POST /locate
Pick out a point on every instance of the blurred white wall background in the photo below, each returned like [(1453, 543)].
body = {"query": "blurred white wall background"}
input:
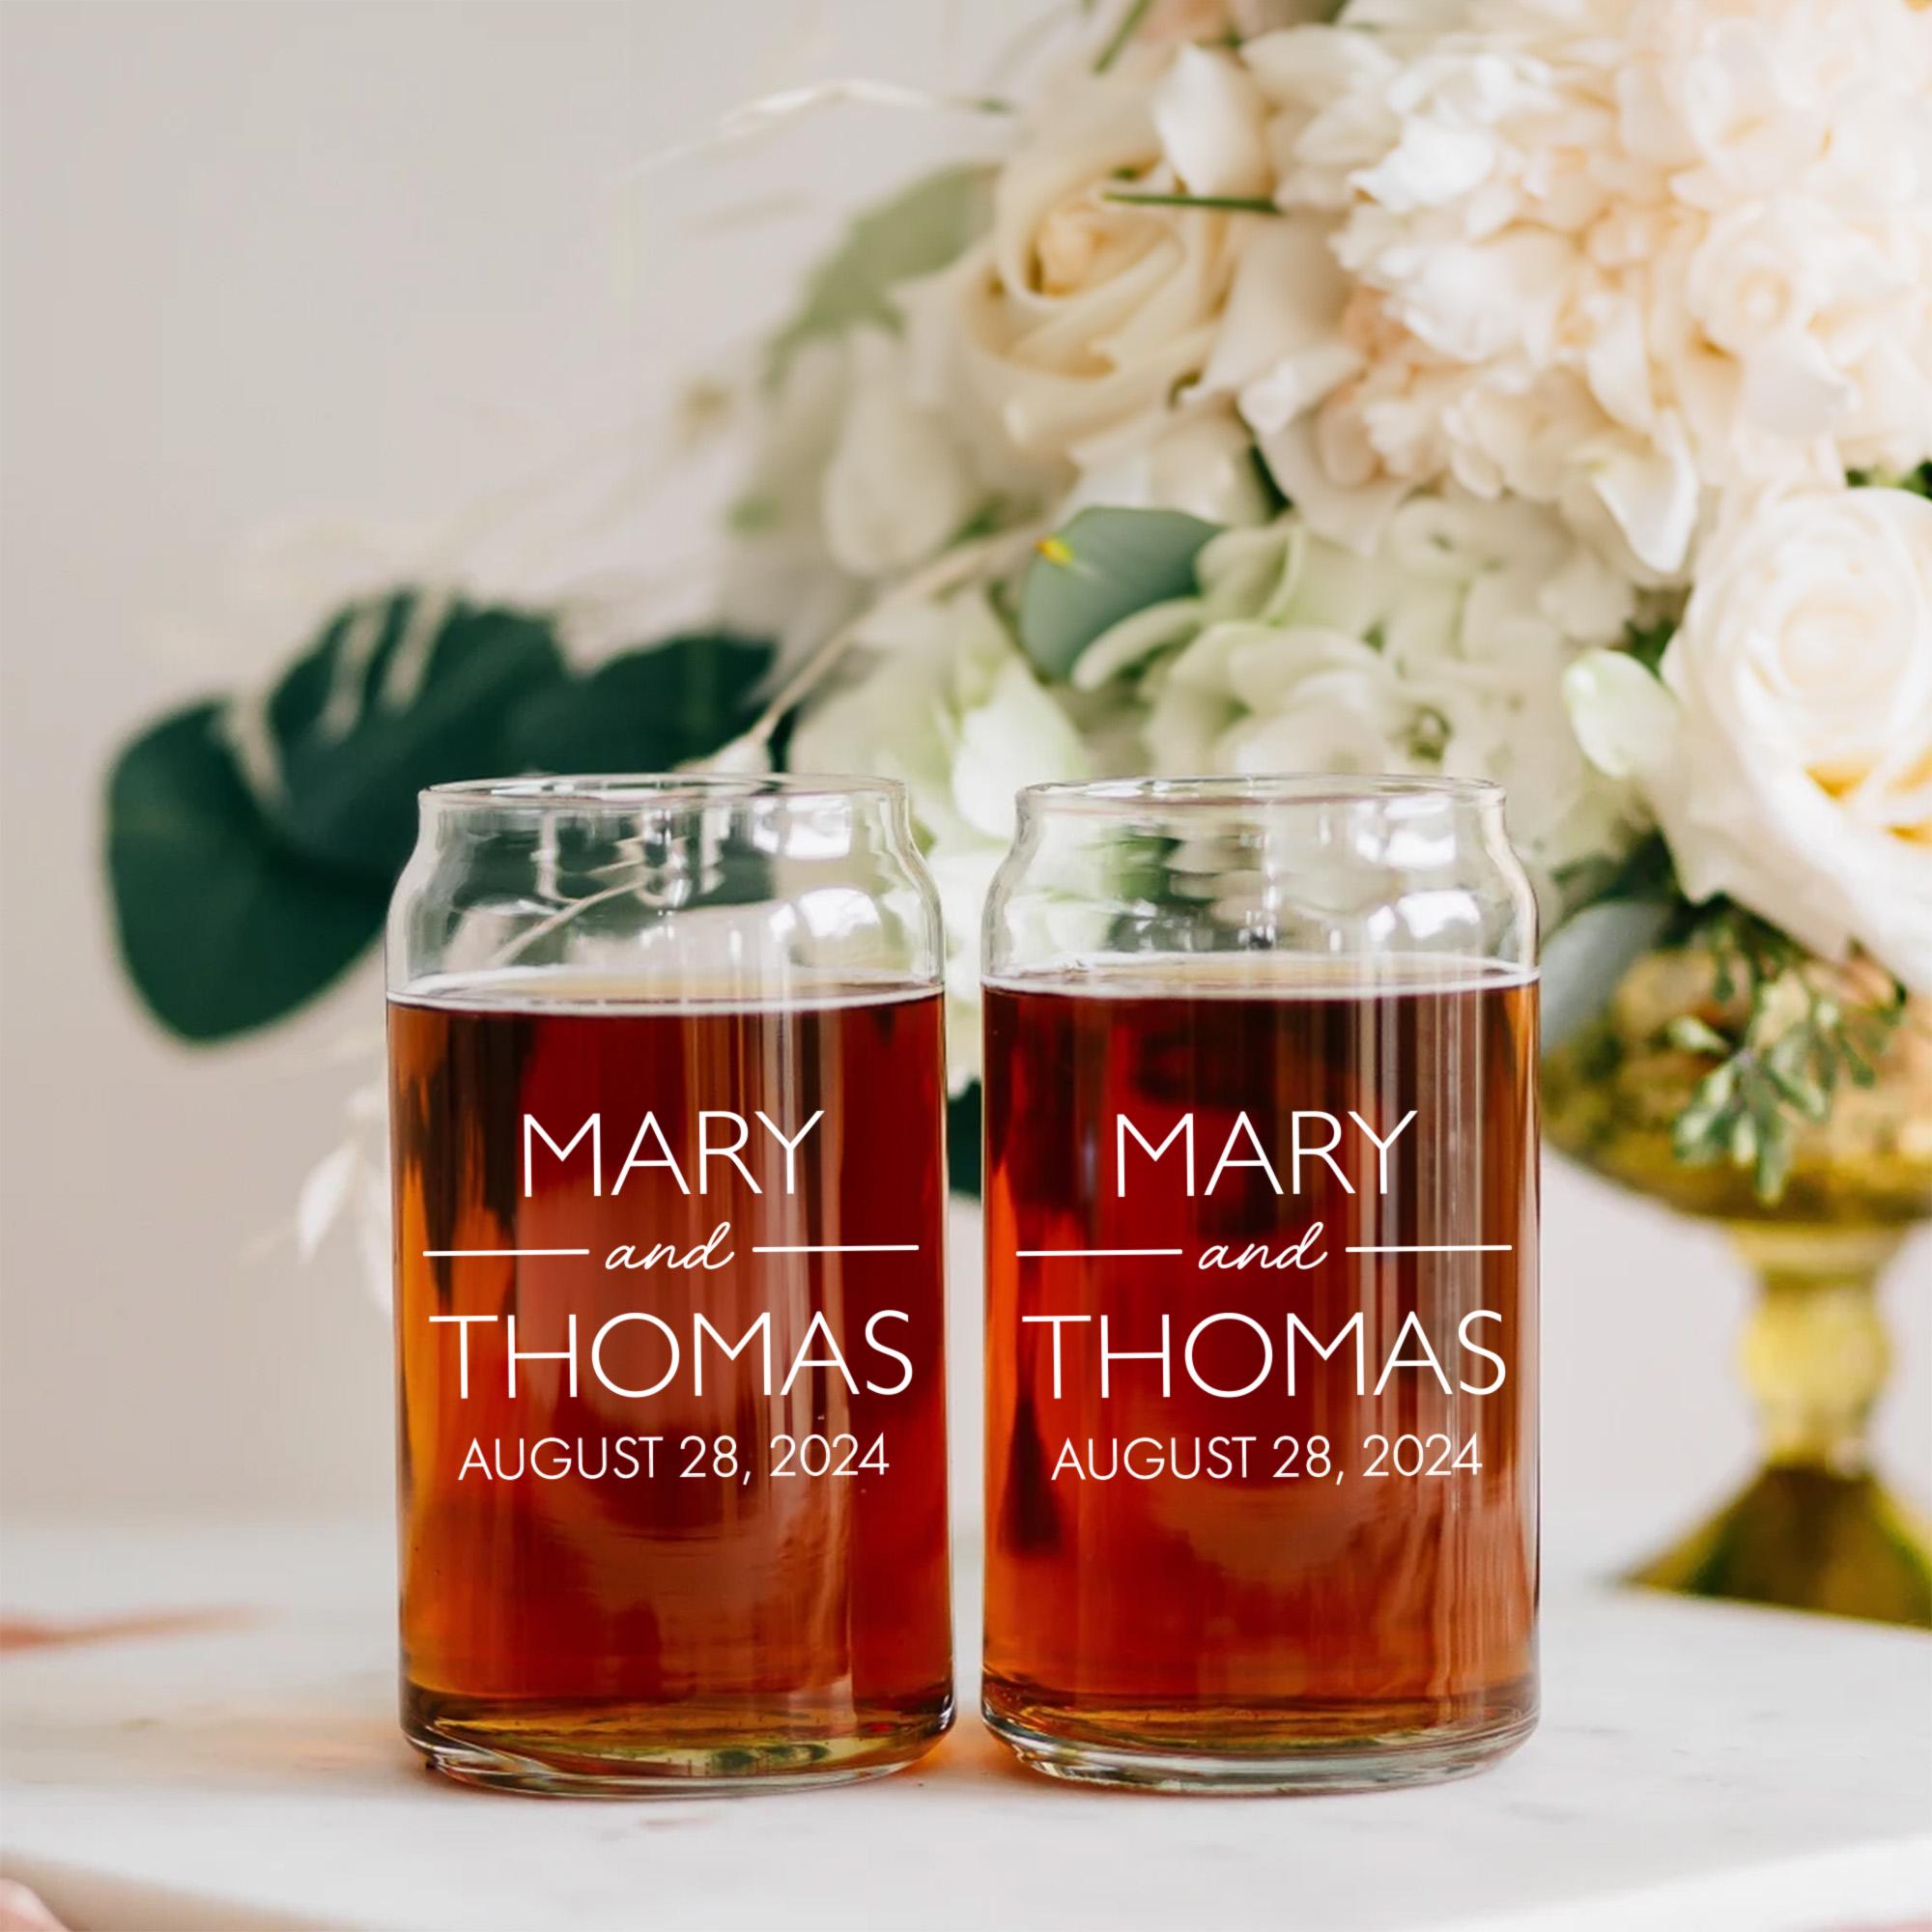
[(377, 261)]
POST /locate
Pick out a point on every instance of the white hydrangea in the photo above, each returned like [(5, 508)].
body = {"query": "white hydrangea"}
[(950, 707), (1626, 257), (1443, 651)]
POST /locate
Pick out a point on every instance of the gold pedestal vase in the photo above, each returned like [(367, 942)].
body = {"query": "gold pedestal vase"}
[(1816, 1528)]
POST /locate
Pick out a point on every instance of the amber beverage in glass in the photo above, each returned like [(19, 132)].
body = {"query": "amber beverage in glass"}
[(1261, 1267), (669, 1198)]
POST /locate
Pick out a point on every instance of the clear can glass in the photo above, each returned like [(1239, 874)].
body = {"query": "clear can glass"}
[(1261, 1169), (667, 1110)]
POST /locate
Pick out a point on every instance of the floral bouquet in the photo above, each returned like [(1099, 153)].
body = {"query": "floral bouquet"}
[(1534, 390)]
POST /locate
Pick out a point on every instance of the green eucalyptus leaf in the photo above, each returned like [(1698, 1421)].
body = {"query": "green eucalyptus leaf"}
[(404, 692), (1690, 1138), (1858, 1069), (917, 232), (222, 926), (1691, 1035), (1770, 1163), (1805, 1095), (1105, 565), (647, 710)]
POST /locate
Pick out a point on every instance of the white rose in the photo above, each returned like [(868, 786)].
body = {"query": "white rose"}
[(1787, 752), (1071, 327)]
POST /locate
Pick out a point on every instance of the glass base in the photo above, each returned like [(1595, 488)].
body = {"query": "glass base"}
[(1807, 1539), (1253, 1758), (640, 1751)]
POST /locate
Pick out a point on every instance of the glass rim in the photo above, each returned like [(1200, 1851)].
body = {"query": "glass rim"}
[(1227, 792), (634, 791)]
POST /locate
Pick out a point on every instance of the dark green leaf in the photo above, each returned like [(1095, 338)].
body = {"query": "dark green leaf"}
[(1228, 204), (917, 232), (394, 696), (1647, 643), (222, 927), (236, 902), (1919, 480), (963, 1151), (1105, 565), (645, 711)]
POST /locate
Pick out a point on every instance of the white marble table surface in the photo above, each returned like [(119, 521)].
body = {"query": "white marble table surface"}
[(1698, 1767)]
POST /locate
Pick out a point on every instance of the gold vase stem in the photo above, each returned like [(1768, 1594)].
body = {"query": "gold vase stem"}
[(1814, 1352), (1814, 1529)]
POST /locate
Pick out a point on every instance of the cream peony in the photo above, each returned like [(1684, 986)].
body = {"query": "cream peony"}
[(951, 708), (1787, 750), (1441, 652), (1067, 332), (1631, 258)]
